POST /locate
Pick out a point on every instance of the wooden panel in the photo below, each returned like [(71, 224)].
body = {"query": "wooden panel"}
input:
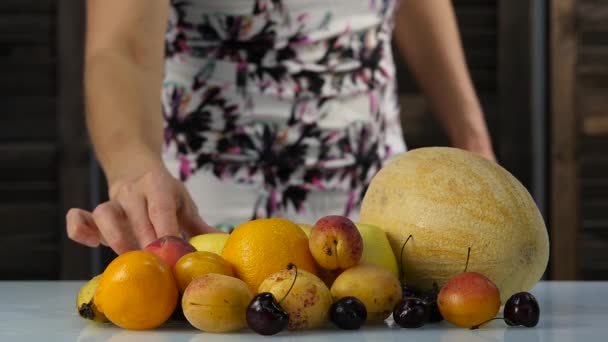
[(31, 263), (28, 118), (28, 161), (28, 150), (26, 191), (592, 263), (74, 181), (514, 86), (592, 15), (27, 242), (19, 54), (479, 39), (30, 6), (595, 125), (25, 28), (476, 16), (593, 176), (33, 80), (592, 108), (26, 218), (564, 185)]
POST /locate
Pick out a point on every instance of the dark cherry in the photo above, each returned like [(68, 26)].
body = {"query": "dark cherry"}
[(430, 297), (407, 291), (265, 316), (348, 313), (411, 313), (522, 309)]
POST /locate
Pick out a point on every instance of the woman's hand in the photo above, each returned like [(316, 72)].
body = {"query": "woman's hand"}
[(123, 73), (477, 143), (140, 210)]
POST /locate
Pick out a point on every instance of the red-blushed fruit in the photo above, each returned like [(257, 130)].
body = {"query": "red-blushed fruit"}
[(335, 242), (170, 249), (468, 300)]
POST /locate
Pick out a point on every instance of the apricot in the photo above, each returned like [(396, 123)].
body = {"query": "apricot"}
[(216, 303), (196, 264)]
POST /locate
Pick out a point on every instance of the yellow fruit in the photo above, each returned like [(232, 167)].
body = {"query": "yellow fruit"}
[(259, 248), (307, 303), (306, 228), (449, 200), (137, 291), (85, 305), (216, 303), (376, 248), (212, 242), (375, 286), (196, 264)]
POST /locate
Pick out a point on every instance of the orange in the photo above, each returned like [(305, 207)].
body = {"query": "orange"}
[(197, 264), (137, 291), (259, 248)]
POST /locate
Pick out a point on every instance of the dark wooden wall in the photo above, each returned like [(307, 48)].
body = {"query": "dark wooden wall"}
[(29, 193), (44, 156), (496, 36), (45, 163), (580, 138)]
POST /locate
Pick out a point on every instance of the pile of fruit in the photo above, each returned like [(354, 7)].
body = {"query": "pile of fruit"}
[(447, 235), (299, 279)]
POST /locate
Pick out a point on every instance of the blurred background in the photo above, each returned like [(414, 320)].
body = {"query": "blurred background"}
[(539, 66)]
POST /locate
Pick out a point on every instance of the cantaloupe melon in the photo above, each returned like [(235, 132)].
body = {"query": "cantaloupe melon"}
[(449, 200)]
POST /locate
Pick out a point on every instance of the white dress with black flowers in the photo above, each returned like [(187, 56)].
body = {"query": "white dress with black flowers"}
[(279, 108)]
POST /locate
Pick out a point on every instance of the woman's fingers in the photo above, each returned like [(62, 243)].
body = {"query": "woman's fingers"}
[(140, 211), (162, 210), (82, 228), (114, 227), (135, 207)]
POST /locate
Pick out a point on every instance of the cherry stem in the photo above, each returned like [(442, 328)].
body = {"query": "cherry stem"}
[(480, 324), (290, 266), (401, 256), (468, 256)]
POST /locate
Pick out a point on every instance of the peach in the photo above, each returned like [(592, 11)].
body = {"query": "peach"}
[(170, 249), (468, 300), (335, 242), (199, 263)]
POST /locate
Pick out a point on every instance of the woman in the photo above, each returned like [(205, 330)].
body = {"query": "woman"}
[(267, 108)]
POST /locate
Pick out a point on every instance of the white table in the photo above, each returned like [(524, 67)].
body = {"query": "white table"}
[(44, 311)]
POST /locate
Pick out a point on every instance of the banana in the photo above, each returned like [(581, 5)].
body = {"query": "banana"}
[(84, 301)]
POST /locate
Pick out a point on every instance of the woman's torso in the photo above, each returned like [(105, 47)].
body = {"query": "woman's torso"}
[(279, 103)]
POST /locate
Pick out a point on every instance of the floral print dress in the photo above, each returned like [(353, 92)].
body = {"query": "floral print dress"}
[(279, 107)]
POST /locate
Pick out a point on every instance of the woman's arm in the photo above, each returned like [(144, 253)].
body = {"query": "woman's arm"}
[(123, 76), (427, 35)]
